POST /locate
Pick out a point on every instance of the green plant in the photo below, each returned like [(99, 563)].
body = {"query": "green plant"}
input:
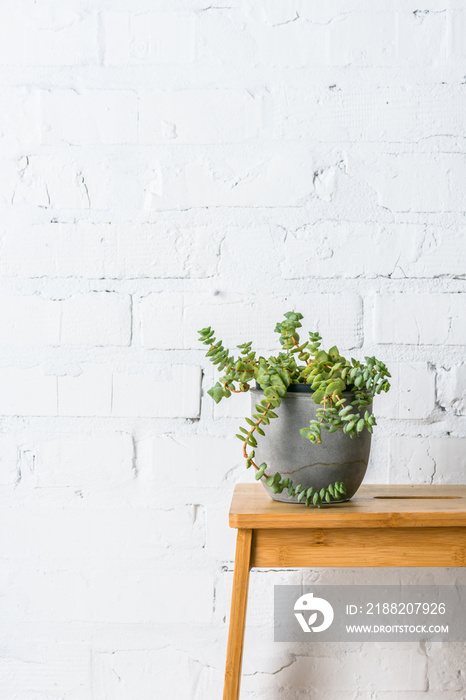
[(329, 375)]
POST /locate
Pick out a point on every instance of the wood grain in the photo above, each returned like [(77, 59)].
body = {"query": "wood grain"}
[(373, 506), (239, 599), (402, 525), (432, 546)]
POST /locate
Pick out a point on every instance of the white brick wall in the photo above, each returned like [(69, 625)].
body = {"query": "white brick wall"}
[(91, 117), (427, 459), (174, 322), (27, 392), (451, 383), (167, 166), (149, 38), (84, 462), (113, 251), (96, 319), (83, 319), (200, 116), (412, 395), (408, 319)]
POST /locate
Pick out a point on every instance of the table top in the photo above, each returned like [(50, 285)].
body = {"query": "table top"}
[(373, 506)]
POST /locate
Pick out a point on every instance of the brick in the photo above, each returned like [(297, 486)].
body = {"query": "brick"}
[(121, 595), (202, 460), (275, 14), (29, 320), (9, 471), (90, 533), (221, 538), (381, 114), (422, 33), (425, 460), (456, 27), (374, 669), (85, 462), (329, 249), (88, 393), (149, 38), (412, 392), (19, 127), (283, 176), (407, 319), (200, 116), (239, 253), (377, 472), (85, 180), (162, 320), (155, 251), (337, 317), (58, 250), (37, 670), (363, 38), (47, 180), (146, 395), (13, 174), (117, 38), (416, 182), (446, 669), (175, 530), (86, 319), (99, 391), (96, 251), (275, 42), (441, 252), (277, 179), (62, 38), (89, 117), (118, 672), (134, 596), (27, 392), (451, 388), (45, 596), (233, 321), (96, 319)]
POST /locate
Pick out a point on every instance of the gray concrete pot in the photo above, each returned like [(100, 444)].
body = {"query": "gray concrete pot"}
[(338, 458)]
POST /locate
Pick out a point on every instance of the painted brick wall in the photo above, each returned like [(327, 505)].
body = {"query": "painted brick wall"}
[(172, 164)]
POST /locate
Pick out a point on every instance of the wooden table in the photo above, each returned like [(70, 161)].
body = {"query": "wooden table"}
[(381, 526)]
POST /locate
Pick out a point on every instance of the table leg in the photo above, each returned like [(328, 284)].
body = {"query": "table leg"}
[(239, 599)]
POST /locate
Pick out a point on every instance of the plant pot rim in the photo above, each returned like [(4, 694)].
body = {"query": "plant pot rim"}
[(300, 389)]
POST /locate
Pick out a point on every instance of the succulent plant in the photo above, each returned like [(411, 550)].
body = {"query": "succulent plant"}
[(328, 373)]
